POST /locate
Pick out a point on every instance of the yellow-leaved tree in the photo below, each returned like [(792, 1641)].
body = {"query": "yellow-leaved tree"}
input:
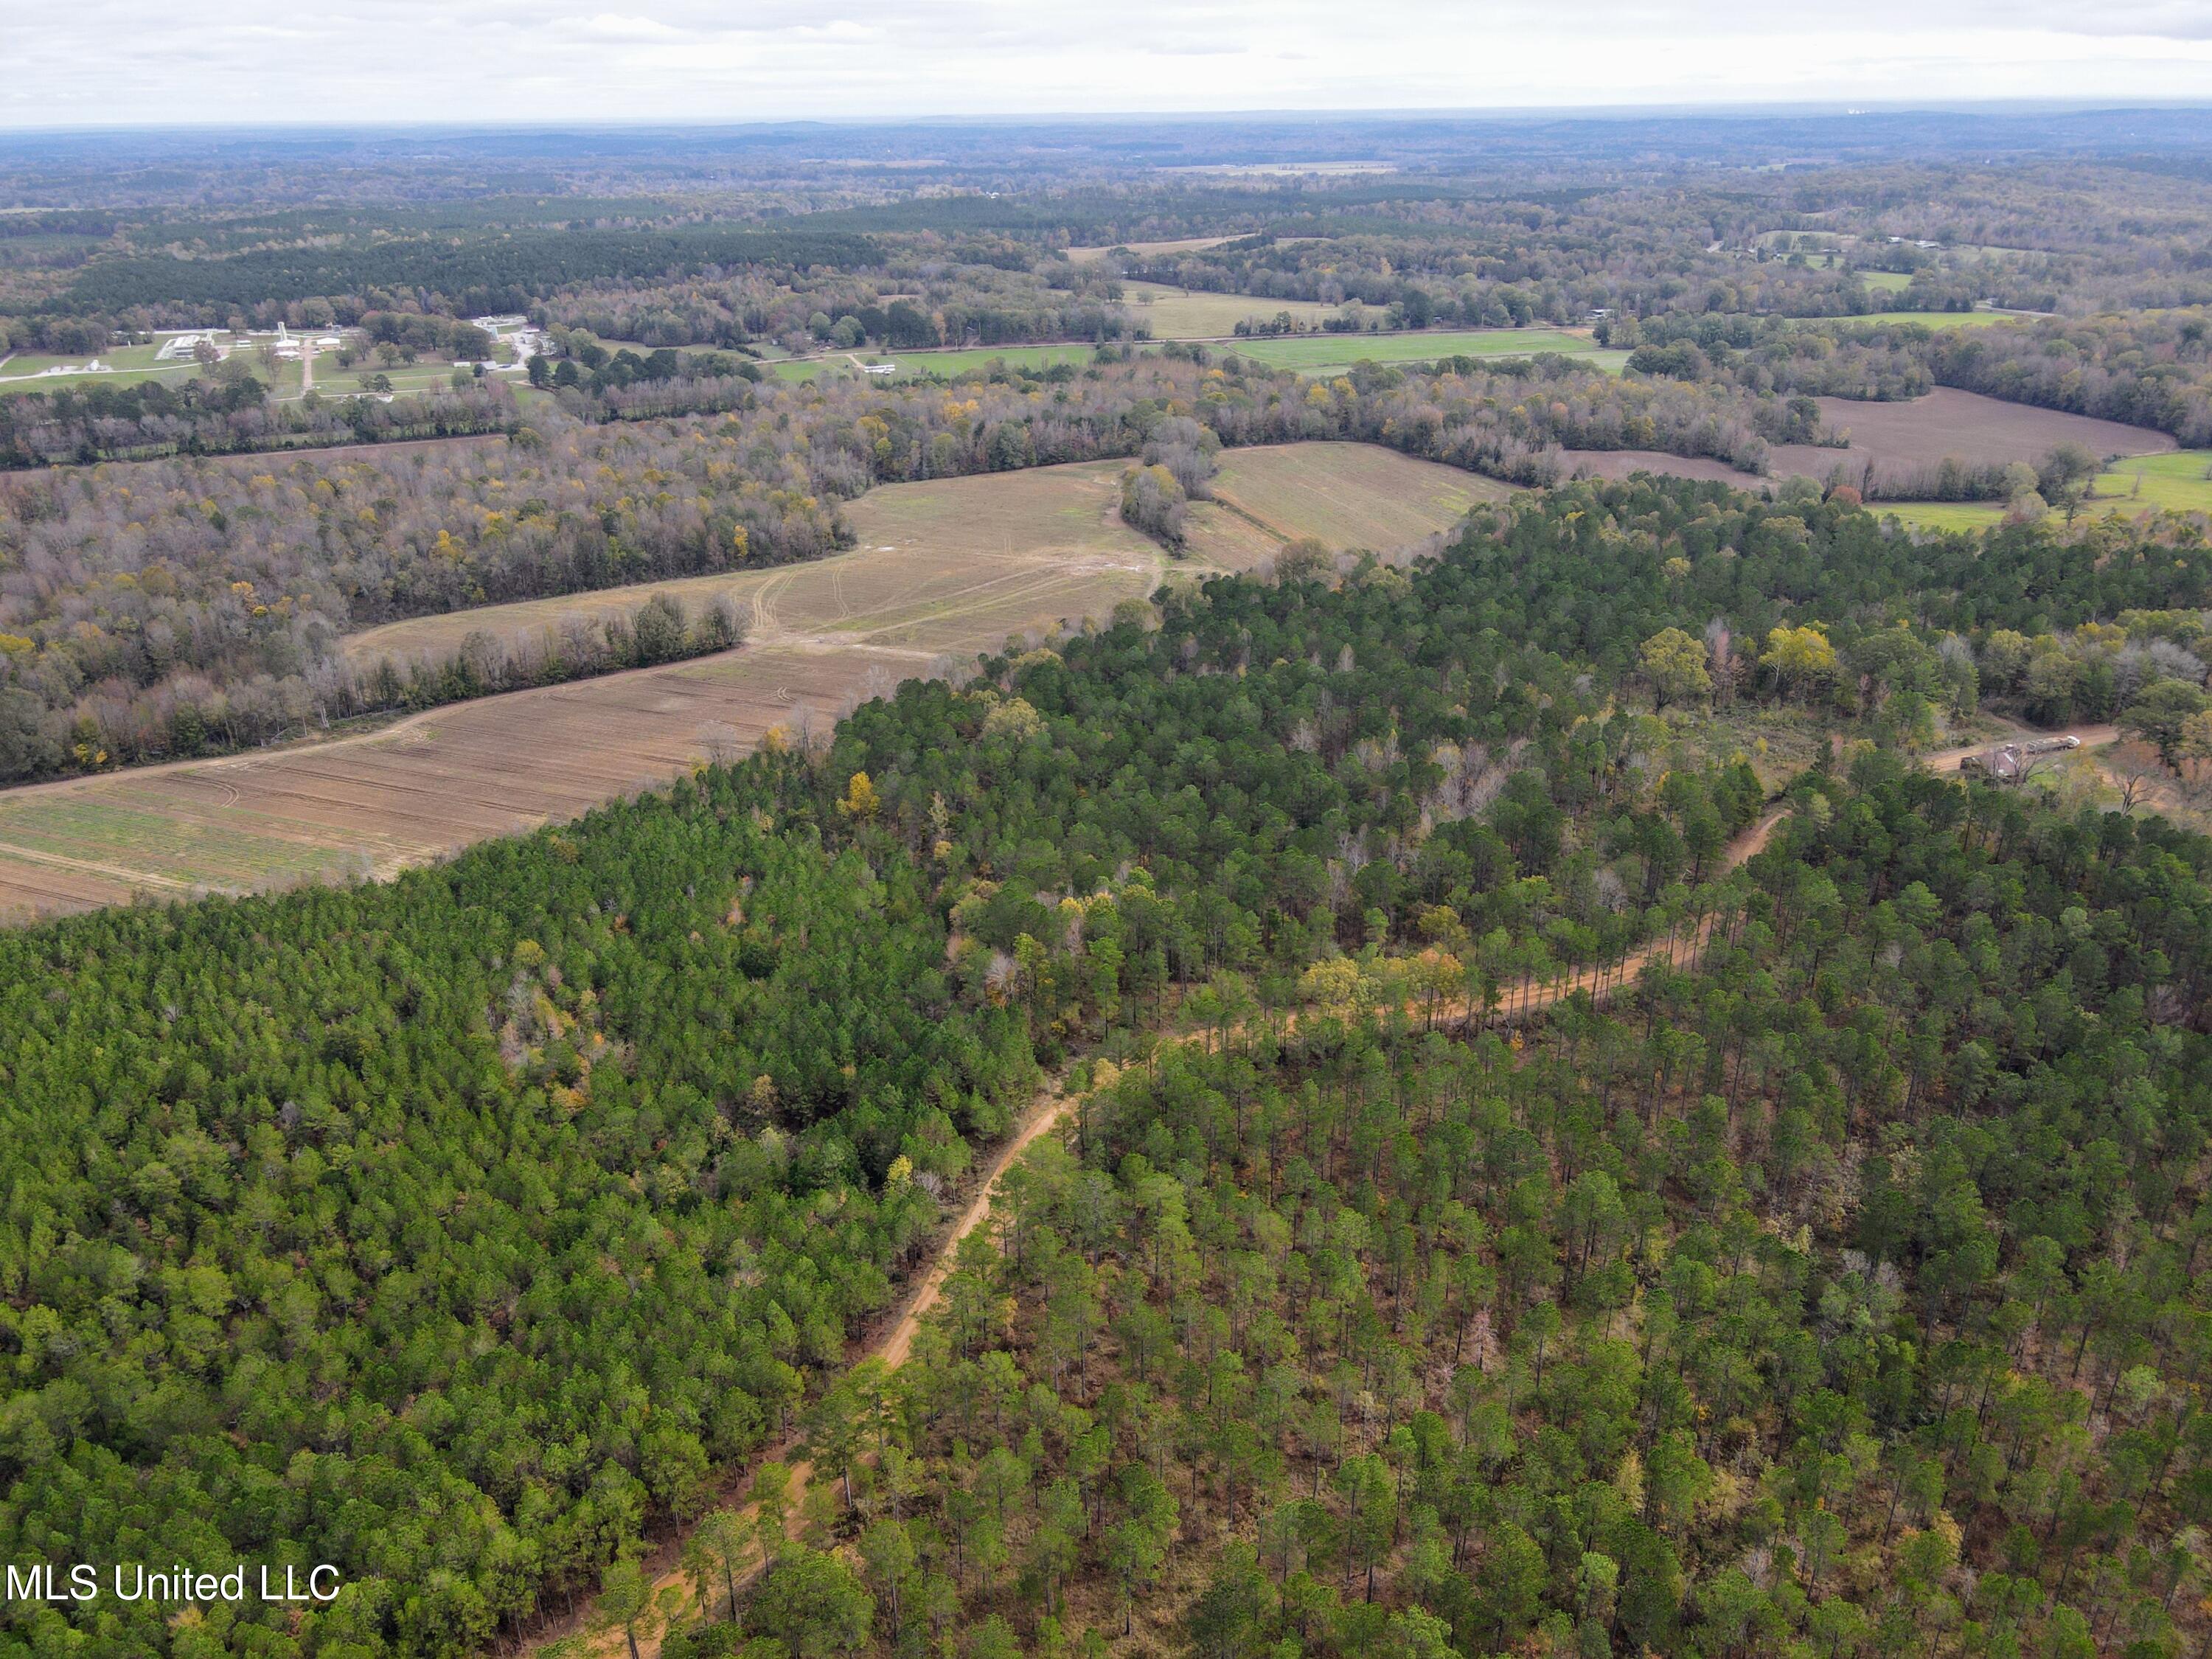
[(1801, 658)]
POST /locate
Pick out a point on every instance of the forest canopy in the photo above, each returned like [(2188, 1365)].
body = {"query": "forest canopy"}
[(463, 1229)]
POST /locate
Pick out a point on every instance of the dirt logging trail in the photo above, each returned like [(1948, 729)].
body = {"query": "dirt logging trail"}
[(893, 1346), (1047, 1113), (2092, 737)]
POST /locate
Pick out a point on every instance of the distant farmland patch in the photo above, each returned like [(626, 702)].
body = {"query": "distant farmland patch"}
[(1929, 318), (1897, 441), (1325, 354), (1346, 494), (1175, 314), (1148, 250), (939, 566), (2176, 481), (943, 570), (906, 365), (921, 546), (1974, 428)]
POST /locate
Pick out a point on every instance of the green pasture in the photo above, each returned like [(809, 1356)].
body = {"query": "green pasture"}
[(910, 364), (2175, 482), (1326, 354), (423, 375), (1942, 515), (175, 376)]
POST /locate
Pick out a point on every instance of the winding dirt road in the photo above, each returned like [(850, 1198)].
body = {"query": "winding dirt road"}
[(2092, 737), (1049, 1110), (894, 1347), (1044, 1115)]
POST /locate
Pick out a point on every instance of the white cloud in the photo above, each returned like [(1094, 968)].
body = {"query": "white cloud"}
[(613, 26), (116, 62)]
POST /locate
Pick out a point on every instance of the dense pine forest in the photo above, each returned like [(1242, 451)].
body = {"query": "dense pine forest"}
[(1840, 1296), (1830, 1286)]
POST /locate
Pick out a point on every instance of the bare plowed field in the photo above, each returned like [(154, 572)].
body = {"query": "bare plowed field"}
[(1902, 438), (942, 571)]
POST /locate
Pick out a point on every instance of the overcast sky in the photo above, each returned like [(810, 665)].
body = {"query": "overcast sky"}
[(74, 63)]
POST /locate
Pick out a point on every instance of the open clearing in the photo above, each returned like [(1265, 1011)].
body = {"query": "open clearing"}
[(132, 365), (1148, 250), (1344, 494), (939, 566), (1897, 437), (1324, 354), (954, 361), (943, 570), (921, 546), (1943, 515), (2180, 481), (1177, 313)]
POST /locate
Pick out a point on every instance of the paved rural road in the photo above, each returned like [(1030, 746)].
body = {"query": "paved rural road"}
[(1047, 1111)]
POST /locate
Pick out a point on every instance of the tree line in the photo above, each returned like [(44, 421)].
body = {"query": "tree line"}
[(197, 580)]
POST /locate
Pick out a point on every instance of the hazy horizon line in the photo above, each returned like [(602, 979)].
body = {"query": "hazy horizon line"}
[(1832, 108)]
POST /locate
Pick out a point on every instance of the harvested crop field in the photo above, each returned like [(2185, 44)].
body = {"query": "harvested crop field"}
[(1896, 441), (998, 550), (939, 566), (1345, 494), (943, 570), (1147, 250), (1947, 421), (369, 804)]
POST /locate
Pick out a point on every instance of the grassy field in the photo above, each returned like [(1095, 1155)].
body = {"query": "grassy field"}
[(1317, 355), (131, 365), (2176, 481), (124, 366), (1325, 354), (1932, 318), (1175, 314), (910, 364), (942, 571), (1888, 281), (1942, 515), (116, 357), (423, 375), (2172, 482)]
